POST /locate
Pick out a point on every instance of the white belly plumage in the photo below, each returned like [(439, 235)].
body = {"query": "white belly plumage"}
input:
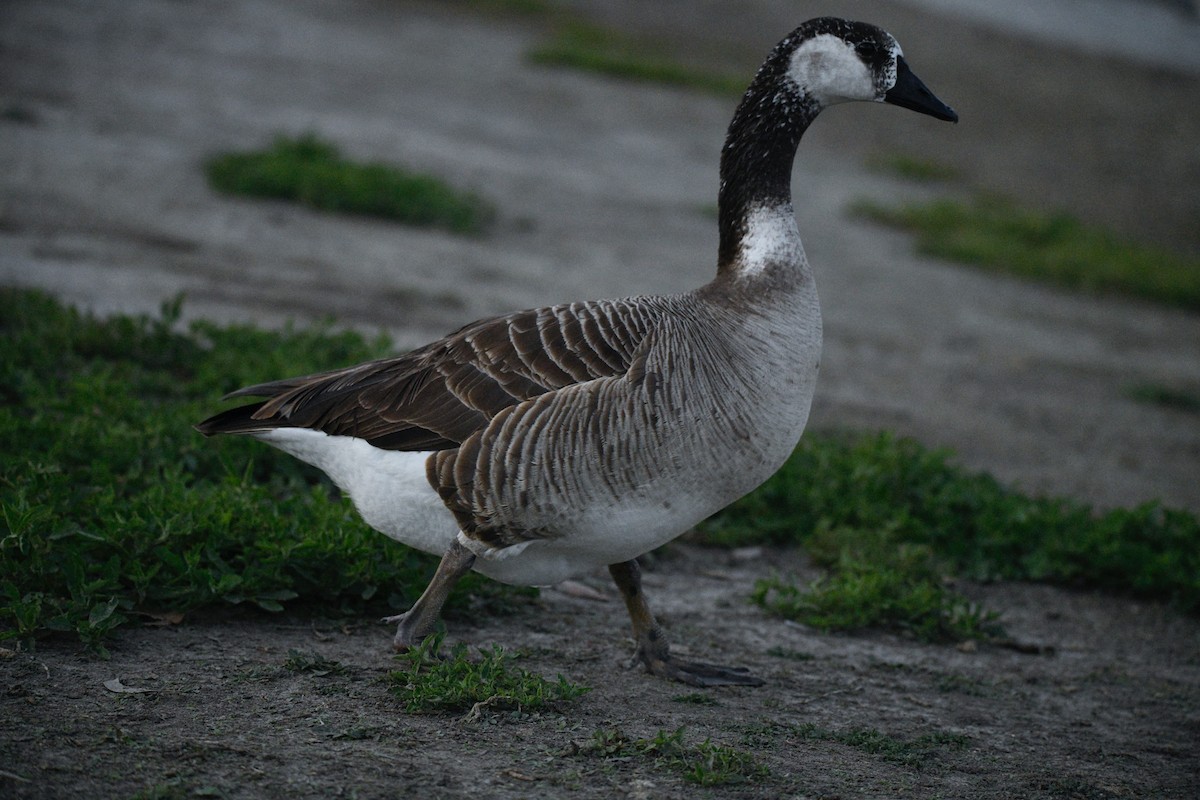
[(392, 494)]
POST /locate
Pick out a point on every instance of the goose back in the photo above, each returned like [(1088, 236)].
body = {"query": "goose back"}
[(436, 397)]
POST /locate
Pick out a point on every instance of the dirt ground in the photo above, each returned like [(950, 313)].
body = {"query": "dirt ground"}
[(1114, 712), (603, 189)]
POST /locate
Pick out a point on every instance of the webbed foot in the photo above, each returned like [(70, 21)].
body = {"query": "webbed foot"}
[(652, 648), (698, 673), (420, 620)]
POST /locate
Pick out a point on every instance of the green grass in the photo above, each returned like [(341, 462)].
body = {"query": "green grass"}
[(998, 234), (592, 48), (1165, 397), (111, 504), (574, 42), (877, 509), (914, 753), (876, 581), (705, 763), (913, 168), (430, 683), (310, 171)]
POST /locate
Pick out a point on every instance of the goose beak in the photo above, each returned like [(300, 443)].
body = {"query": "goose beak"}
[(909, 92)]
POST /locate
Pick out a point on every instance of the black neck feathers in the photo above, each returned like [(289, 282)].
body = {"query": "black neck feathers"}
[(756, 161)]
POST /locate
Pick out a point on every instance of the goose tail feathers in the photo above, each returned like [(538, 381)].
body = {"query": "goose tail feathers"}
[(236, 420)]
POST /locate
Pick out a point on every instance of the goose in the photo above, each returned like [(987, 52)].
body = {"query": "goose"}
[(551, 442)]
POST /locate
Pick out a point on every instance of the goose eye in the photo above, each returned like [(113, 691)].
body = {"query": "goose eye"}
[(867, 51)]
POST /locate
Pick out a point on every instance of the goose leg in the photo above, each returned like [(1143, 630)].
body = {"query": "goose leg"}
[(419, 621), (652, 647)]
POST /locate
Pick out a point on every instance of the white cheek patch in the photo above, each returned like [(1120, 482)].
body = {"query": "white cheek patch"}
[(827, 68)]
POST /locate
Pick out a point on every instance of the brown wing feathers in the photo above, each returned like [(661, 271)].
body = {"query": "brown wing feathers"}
[(434, 398)]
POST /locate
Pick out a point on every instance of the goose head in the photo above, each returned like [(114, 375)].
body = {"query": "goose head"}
[(823, 62), (836, 61)]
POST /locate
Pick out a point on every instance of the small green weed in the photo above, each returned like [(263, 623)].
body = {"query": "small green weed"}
[(356, 733), (592, 48), (765, 735), (915, 753), (297, 662), (312, 663), (310, 171), (998, 234), (430, 683), (706, 763), (696, 699)]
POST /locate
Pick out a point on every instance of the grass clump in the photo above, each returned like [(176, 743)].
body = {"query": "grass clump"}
[(592, 48), (112, 505), (869, 597), (889, 518), (310, 171), (432, 684), (705, 763), (875, 581), (998, 234)]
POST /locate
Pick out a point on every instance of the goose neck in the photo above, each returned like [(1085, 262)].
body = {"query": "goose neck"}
[(760, 147)]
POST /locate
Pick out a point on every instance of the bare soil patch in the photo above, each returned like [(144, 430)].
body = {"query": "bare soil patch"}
[(1114, 711)]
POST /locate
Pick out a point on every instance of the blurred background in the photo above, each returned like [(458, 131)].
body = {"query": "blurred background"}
[(603, 183)]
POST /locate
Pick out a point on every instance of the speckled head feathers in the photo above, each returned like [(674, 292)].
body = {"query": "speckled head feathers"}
[(823, 62)]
